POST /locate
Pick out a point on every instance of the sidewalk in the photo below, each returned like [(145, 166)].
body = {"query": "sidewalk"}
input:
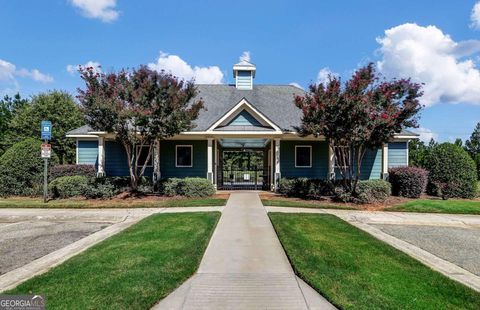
[(244, 267)]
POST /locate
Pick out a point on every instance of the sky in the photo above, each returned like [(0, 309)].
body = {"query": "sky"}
[(291, 42)]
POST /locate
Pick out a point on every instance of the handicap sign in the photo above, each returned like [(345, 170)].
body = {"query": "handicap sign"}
[(46, 130)]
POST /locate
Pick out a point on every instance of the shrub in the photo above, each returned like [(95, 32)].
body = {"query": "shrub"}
[(189, 187), (305, 188), (368, 191), (452, 172), (22, 169), (71, 170), (100, 188), (197, 187), (408, 181), (68, 186)]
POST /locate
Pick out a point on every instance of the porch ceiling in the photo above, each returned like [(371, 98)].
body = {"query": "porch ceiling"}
[(243, 143)]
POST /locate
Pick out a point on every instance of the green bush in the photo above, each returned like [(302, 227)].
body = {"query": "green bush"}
[(197, 187), (452, 172), (68, 186), (100, 188), (305, 188), (368, 191), (22, 169), (189, 187)]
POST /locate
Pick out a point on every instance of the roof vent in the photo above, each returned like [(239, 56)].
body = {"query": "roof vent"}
[(244, 73)]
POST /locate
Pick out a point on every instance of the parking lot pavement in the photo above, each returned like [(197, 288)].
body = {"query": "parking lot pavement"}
[(24, 241), (458, 245)]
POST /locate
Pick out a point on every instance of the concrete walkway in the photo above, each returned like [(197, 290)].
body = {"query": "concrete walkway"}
[(244, 267), (373, 222)]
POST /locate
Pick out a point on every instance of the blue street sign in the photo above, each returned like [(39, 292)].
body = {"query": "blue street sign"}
[(46, 130)]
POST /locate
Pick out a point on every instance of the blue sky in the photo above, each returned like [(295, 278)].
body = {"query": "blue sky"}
[(435, 42)]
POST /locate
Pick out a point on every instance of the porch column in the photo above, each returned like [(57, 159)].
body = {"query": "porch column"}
[(272, 166), (101, 157), (156, 162), (216, 164), (210, 159), (277, 164), (331, 163), (384, 161)]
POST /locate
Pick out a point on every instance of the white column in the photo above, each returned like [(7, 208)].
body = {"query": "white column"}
[(156, 161), (277, 163), (384, 161), (210, 159), (101, 156), (216, 163), (331, 163), (272, 166)]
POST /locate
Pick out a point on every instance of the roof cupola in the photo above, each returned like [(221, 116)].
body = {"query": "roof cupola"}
[(244, 73)]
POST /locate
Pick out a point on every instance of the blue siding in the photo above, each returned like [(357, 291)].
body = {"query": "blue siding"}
[(87, 152), (244, 80), (167, 159), (319, 169), (244, 119), (372, 165), (397, 154), (116, 160)]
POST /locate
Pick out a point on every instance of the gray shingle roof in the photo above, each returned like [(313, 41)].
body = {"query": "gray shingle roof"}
[(80, 130), (243, 128), (274, 101)]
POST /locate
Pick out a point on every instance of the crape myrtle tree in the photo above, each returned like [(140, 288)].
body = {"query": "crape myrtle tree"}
[(362, 114), (139, 106)]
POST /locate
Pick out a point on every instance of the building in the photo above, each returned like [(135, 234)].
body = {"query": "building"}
[(244, 139)]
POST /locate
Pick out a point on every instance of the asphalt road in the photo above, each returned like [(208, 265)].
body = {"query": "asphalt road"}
[(458, 245)]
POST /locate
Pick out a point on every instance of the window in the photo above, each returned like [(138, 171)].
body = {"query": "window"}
[(303, 156), (184, 155), (143, 155)]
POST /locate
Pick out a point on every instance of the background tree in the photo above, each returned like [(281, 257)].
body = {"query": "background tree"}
[(417, 150), (458, 142), (139, 106), (472, 145), (58, 107), (9, 106), (364, 113)]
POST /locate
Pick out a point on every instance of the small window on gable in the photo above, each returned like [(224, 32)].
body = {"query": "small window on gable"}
[(303, 156), (184, 156), (142, 152)]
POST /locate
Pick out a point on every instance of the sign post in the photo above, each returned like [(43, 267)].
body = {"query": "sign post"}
[(46, 151)]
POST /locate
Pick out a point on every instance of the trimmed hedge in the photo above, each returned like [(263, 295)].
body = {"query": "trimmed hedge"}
[(68, 186), (101, 188), (368, 191), (305, 188), (22, 169), (452, 172), (57, 171), (408, 182), (189, 187)]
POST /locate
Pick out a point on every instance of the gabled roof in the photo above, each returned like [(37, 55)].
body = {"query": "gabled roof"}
[(275, 102)]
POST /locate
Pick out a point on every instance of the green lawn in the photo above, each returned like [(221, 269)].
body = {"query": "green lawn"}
[(353, 270), (439, 206), (301, 204), (25, 202), (131, 270)]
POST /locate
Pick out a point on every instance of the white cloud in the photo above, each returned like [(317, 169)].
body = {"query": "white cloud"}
[(97, 67), (296, 85), (9, 71), (429, 56), (426, 134), (324, 75), (475, 16), (105, 10), (245, 56), (177, 66)]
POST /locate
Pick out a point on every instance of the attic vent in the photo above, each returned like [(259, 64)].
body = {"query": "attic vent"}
[(244, 73)]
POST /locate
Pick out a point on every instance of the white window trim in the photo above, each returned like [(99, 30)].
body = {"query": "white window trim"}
[(176, 156), (151, 156), (303, 146)]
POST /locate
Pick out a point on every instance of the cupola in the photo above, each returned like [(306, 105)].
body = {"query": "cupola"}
[(244, 73)]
